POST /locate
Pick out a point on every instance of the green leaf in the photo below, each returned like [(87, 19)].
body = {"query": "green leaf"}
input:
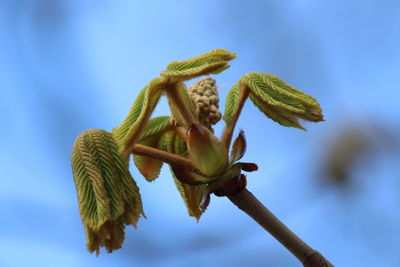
[(207, 153), (231, 103), (238, 148), (121, 131), (156, 126), (280, 116), (281, 102), (191, 194), (182, 109), (149, 167), (167, 141), (133, 126), (212, 62), (129, 189), (107, 194)]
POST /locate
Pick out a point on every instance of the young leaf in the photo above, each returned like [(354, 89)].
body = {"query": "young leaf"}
[(181, 106), (167, 141), (279, 101), (107, 194), (149, 167), (212, 62), (156, 126), (231, 103), (238, 148), (206, 151), (130, 130), (121, 131), (191, 194), (283, 117), (129, 189)]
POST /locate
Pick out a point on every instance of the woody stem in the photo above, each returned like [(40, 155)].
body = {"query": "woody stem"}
[(248, 203)]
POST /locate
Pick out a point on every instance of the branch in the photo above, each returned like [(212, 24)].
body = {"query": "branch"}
[(248, 203), (228, 130)]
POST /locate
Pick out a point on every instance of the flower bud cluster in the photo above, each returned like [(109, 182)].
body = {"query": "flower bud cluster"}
[(205, 98)]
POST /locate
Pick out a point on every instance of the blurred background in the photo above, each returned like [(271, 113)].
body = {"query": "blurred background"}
[(69, 65)]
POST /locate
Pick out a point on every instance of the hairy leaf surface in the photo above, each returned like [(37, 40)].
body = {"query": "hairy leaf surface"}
[(281, 102), (107, 194), (149, 167), (283, 117), (212, 62), (231, 103), (133, 126), (156, 126), (185, 105), (191, 194)]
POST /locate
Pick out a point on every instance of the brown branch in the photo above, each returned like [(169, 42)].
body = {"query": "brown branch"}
[(166, 157), (248, 203), (228, 130)]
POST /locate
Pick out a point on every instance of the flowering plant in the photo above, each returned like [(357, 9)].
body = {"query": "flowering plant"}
[(201, 164)]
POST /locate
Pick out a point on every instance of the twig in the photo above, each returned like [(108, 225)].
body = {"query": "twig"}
[(248, 203)]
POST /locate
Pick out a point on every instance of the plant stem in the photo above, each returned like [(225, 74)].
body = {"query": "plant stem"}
[(162, 155), (248, 203)]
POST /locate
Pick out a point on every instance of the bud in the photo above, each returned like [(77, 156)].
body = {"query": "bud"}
[(206, 151), (205, 98), (238, 147), (107, 194)]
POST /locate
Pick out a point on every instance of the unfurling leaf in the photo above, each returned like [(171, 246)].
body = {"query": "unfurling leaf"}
[(206, 151), (150, 167), (212, 62), (238, 147), (281, 102), (108, 196), (191, 194), (181, 106), (156, 126), (134, 124), (282, 117), (231, 103)]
